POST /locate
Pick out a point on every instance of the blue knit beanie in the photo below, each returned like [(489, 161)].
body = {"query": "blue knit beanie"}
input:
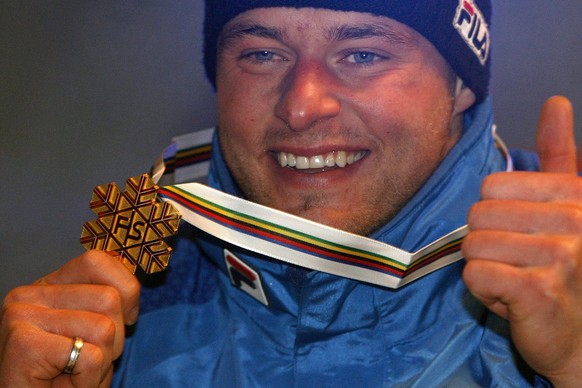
[(459, 29)]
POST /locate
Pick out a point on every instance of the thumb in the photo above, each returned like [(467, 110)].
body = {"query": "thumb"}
[(556, 144)]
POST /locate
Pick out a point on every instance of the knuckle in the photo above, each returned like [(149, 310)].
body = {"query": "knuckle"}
[(475, 214), (9, 314), (94, 360), (109, 299), (469, 273), (574, 219), (17, 295), (489, 184), (18, 337), (92, 259), (133, 290), (104, 329), (545, 285), (566, 252), (14, 313), (575, 185), (468, 245)]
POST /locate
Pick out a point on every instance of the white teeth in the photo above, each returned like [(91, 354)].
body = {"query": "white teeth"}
[(350, 159), (329, 160), (302, 162), (316, 161), (282, 159), (332, 159), (340, 159)]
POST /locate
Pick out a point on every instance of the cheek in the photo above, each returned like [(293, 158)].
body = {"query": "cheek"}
[(241, 123), (412, 123), (236, 117), (383, 102), (242, 104)]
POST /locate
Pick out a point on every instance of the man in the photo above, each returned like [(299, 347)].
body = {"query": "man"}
[(373, 118)]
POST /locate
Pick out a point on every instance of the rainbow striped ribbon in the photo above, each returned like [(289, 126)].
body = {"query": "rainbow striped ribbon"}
[(286, 237), (295, 240)]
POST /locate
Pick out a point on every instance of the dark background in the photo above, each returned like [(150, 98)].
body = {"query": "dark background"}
[(91, 91)]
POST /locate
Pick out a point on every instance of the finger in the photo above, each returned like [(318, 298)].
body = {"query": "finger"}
[(73, 310), (509, 291), (556, 144), (36, 358), (90, 369), (540, 305), (532, 186), (97, 329), (521, 250), (526, 217), (485, 281), (97, 267)]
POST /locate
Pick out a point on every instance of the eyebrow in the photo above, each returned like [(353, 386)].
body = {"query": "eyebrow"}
[(335, 33), (240, 30), (364, 31)]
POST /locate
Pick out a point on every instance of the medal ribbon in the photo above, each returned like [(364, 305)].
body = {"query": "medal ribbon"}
[(293, 239)]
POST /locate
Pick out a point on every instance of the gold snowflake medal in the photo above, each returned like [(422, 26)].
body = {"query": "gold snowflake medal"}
[(134, 223)]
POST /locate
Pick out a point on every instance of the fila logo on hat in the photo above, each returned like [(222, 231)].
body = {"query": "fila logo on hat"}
[(472, 26)]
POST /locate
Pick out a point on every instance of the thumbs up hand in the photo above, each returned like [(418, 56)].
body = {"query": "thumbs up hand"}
[(524, 251)]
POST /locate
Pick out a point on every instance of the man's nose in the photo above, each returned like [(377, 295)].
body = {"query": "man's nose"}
[(307, 96)]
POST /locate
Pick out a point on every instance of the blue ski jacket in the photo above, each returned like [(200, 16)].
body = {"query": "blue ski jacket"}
[(197, 329)]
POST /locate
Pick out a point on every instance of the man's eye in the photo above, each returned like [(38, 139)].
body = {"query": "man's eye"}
[(362, 57), (261, 56)]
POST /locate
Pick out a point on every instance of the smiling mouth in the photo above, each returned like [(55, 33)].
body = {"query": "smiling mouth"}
[(328, 161)]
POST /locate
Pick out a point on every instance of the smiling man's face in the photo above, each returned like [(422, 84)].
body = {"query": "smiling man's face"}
[(338, 117)]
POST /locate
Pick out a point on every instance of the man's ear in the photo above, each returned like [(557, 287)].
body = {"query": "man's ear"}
[(464, 97)]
